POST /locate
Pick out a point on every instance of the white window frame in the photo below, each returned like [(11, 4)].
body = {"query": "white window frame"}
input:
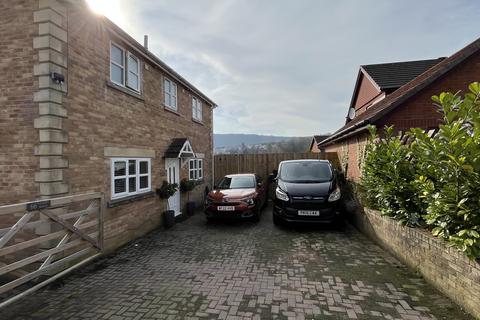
[(125, 68), (196, 172), (170, 94), (127, 175), (197, 111), (135, 72), (113, 44)]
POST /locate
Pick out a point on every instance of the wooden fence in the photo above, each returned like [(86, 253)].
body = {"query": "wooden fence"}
[(261, 164), (40, 240)]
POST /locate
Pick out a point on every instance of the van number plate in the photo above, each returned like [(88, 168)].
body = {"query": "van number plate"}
[(226, 208), (308, 213)]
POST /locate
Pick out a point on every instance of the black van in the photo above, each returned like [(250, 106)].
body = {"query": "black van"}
[(306, 191)]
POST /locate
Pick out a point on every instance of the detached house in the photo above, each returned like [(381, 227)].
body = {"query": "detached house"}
[(399, 94), (316, 140), (86, 108)]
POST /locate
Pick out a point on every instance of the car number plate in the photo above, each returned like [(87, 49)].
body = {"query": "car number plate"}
[(226, 208), (308, 213)]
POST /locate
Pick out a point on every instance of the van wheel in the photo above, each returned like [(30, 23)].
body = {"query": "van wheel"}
[(277, 221)]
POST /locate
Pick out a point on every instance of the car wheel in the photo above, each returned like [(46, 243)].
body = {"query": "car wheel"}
[(256, 216)]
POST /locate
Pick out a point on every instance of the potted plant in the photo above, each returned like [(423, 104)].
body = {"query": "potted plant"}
[(165, 192), (186, 186)]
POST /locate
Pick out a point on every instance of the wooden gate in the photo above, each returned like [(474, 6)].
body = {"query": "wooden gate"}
[(43, 240)]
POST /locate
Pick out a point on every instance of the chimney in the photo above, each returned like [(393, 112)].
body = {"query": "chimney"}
[(145, 41)]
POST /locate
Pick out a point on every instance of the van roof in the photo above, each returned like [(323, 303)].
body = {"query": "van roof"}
[(306, 160)]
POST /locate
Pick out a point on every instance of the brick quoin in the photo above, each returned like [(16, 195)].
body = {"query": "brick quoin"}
[(99, 115)]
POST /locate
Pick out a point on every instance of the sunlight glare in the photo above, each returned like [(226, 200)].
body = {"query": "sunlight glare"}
[(108, 8)]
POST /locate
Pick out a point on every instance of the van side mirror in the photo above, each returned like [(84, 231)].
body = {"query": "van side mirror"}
[(271, 177)]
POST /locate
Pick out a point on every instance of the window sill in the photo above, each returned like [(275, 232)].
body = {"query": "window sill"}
[(169, 109), (198, 121), (125, 90), (128, 199)]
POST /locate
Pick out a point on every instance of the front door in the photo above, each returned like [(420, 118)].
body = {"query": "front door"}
[(173, 176)]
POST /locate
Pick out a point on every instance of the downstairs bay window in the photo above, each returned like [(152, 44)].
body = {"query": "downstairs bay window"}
[(130, 176)]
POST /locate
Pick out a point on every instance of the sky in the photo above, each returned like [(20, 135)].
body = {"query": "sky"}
[(288, 68)]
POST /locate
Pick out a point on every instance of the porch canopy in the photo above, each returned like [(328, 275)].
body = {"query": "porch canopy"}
[(180, 148)]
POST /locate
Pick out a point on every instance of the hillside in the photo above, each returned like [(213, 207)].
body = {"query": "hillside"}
[(287, 144), (233, 139)]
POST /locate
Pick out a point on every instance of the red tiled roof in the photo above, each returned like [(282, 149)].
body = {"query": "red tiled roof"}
[(405, 92)]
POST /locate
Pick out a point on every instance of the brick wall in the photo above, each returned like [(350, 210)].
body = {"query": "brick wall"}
[(17, 110), (448, 269), (101, 115), (59, 139), (366, 93)]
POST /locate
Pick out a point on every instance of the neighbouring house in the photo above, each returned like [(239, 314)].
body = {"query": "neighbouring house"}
[(399, 94), (315, 142), (86, 108)]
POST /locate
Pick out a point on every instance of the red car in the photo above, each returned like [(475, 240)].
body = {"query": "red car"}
[(237, 196)]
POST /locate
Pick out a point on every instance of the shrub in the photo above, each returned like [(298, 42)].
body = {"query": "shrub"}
[(388, 178), (187, 185), (167, 190), (449, 167), (432, 179)]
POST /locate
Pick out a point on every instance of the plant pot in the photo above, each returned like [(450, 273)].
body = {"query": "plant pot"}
[(190, 208), (168, 218)]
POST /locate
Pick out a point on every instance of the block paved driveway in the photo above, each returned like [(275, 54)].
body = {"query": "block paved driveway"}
[(241, 271)]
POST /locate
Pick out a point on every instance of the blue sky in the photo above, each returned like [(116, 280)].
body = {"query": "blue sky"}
[(288, 67)]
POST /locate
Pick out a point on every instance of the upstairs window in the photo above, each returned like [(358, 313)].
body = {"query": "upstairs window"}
[(133, 77), (195, 169), (197, 109), (170, 92), (117, 65), (124, 68)]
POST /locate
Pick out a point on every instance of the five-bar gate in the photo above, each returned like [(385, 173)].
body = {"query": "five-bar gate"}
[(41, 241)]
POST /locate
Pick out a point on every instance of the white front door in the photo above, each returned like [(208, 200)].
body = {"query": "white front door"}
[(173, 176)]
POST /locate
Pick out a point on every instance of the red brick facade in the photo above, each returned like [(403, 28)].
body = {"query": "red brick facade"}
[(416, 111), (91, 114)]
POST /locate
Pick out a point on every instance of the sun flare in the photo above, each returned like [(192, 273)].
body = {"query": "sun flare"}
[(108, 8)]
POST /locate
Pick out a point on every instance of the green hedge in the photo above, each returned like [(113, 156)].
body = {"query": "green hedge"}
[(432, 182)]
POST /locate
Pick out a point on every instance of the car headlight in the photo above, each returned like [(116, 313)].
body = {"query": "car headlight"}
[(280, 194), (335, 195), (249, 201)]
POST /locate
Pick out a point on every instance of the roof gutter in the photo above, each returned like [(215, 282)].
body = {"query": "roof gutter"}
[(361, 126)]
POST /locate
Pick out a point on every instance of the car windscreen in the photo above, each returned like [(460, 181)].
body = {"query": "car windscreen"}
[(305, 172), (240, 182)]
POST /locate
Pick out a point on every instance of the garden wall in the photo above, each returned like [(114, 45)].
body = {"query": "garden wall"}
[(448, 269)]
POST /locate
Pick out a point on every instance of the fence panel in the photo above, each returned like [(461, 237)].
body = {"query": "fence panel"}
[(262, 164)]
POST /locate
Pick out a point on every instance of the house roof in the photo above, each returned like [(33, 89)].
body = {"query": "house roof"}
[(320, 138), (116, 30), (317, 139), (179, 148), (392, 101), (393, 75)]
